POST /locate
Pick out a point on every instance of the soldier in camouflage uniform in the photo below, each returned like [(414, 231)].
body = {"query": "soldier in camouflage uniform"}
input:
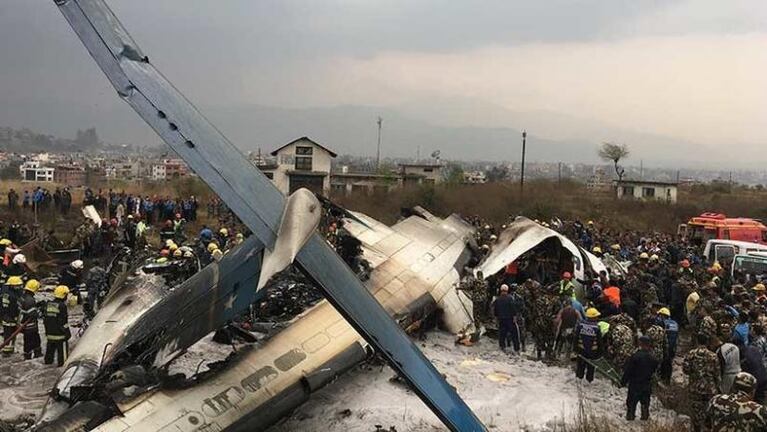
[(738, 412), (541, 315), (624, 319), (702, 367), (620, 341), (476, 289), (649, 294), (657, 335), (706, 324)]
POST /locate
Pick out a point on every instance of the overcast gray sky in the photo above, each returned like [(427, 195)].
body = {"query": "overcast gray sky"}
[(691, 69)]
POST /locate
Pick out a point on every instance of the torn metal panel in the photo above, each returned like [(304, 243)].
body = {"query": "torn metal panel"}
[(596, 264), (155, 322), (90, 213), (523, 235), (252, 197)]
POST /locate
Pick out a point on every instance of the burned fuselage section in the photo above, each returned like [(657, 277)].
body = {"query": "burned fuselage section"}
[(415, 266)]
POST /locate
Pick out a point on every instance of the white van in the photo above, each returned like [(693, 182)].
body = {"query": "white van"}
[(754, 263), (723, 251)]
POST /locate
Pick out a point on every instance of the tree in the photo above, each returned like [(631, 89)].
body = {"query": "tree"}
[(614, 153), (497, 174), (453, 174)]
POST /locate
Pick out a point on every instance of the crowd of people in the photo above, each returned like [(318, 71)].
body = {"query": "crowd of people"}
[(629, 322), (156, 227)]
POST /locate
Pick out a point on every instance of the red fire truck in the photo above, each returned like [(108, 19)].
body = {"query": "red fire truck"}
[(718, 226)]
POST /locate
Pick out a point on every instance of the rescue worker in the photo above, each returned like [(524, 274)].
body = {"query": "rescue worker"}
[(223, 238), (702, 367), (217, 255), (621, 343), (9, 312), (167, 232), (738, 412), (657, 335), (502, 310), (566, 286), (752, 363), (29, 319), (637, 374), (97, 285), (475, 288), (129, 232), (178, 228), (672, 335), (56, 322), (728, 355), (71, 276), (18, 266), (589, 346)]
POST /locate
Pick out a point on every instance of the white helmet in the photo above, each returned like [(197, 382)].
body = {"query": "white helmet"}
[(77, 264), (19, 259)]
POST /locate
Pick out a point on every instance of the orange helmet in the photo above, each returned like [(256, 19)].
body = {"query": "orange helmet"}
[(567, 275)]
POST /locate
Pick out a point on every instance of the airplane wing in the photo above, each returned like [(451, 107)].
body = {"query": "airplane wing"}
[(253, 198)]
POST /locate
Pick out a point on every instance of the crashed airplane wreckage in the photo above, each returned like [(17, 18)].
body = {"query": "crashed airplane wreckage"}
[(248, 393), (525, 235), (144, 326)]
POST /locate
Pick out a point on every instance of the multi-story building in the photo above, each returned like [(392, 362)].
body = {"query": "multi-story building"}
[(420, 174), (34, 171), (70, 175), (301, 163), (169, 169)]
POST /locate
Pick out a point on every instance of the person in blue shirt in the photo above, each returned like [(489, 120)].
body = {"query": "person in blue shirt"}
[(742, 329), (672, 336), (589, 344)]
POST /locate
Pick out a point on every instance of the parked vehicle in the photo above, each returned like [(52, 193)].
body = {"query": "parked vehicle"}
[(723, 251), (718, 226)]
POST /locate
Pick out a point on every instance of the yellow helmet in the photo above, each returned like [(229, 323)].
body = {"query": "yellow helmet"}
[(597, 249), (14, 281), (615, 247), (61, 292), (224, 232), (592, 313), (759, 287), (5, 242), (664, 311), (644, 256), (169, 243), (591, 222), (654, 257), (211, 247), (173, 247), (32, 285), (177, 253)]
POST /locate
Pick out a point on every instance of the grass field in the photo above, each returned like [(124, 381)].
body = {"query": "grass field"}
[(495, 202)]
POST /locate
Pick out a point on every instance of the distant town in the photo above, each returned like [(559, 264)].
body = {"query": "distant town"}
[(308, 163)]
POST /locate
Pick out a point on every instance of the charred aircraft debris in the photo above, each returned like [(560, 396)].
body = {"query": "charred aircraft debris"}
[(117, 377)]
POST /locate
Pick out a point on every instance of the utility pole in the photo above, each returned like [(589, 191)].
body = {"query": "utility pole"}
[(559, 173), (522, 171), (378, 149)]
